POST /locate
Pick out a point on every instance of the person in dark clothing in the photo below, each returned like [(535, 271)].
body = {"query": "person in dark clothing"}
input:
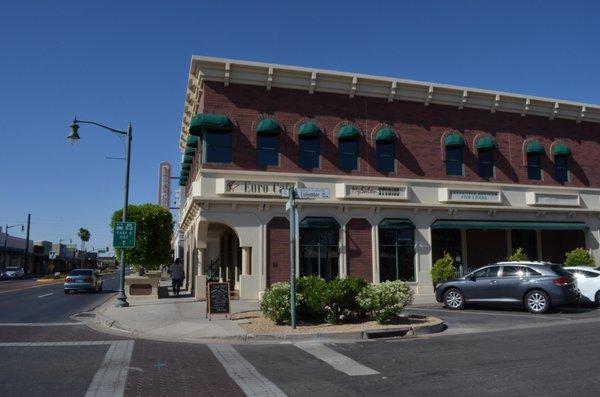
[(177, 276)]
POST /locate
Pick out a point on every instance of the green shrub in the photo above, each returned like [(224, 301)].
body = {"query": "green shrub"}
[(275, 304), (384, 302), (518, 255), (579, 257), (341, 304), (311, 305), (443, 269)]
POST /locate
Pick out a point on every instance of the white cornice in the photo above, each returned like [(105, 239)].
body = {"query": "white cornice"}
[(230, 71)]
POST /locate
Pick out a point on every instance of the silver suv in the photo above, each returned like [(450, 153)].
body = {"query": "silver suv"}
[(535, 285), (11, 272)]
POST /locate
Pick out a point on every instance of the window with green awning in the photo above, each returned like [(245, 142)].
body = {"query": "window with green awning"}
[(348, 133), (186, 166), (182, 182), (203, 121), (561, 150), (454, 140), (310, 129), (185, 173), (534, 146), (190, 151), (268, 127), (188, 159), (192, 141), (314, 222), (385, 135), (486, 143)]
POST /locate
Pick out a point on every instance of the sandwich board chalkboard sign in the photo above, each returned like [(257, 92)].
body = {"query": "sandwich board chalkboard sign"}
[(217, 299)]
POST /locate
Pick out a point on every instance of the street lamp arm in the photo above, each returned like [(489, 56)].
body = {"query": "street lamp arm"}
[(101, 125)]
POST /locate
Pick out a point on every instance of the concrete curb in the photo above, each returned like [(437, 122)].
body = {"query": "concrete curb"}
[(101, 323)]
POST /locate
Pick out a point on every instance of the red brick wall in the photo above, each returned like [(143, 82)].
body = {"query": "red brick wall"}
[(420, 129), (485, 246), (556, 243), (278, 250), (359, 251)]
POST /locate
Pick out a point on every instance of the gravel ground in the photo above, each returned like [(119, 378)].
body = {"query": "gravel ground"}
[(255, 323)]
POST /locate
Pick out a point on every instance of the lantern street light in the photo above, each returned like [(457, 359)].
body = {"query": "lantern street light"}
[(74, 137)]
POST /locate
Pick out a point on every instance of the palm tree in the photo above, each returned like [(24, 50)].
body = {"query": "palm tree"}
[(84, 235)]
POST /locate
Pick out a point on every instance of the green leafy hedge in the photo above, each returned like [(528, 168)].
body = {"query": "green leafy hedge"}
[(443, 269), (384, 302), (579, 257)]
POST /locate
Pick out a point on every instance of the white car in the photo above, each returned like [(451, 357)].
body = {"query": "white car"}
[(588, 282), (11, 272)]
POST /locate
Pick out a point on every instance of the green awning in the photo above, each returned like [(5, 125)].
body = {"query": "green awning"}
[(186, 166), (561, 150), (486, 143), (396, 224), (182, 182), (203, 121), (185, 173), (454, 140), (190, 151), (268, 127), (188, 159), (384, 135), (534, 146), (319, 223), (309, 130), (348, 133), (517, 225), (192, 141)]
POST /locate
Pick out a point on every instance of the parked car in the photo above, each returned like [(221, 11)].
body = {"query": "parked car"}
[(12, 272), (83, 280), (587, 281), (535, 285)]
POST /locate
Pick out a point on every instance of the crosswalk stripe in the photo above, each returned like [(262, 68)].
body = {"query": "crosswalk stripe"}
[(243, 373), (337, 360)]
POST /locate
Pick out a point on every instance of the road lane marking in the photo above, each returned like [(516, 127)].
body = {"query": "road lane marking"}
[(45, 295), (110, 378), (243, 373), (39, 324), (337, 360)]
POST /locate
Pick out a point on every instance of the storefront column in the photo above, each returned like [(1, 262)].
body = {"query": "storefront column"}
[(343, 263), (375, 250), (423, 258), (538, 238), (200, 279), (246, 261)]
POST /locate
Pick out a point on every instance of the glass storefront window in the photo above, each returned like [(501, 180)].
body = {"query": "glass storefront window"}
[(319, 248), (526, 239), (396, 250)]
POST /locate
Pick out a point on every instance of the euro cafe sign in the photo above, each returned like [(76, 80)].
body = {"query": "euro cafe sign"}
[(235, 187)]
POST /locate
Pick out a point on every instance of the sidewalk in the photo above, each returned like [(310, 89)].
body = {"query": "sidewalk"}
[(182, 319)]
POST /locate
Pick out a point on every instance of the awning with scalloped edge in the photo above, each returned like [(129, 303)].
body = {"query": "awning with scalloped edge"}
[(454, 140), (534, 146), (561, 150), (348, 133), (486, 143), (309, 129), (203, 121), (268, 127), (385, 135)]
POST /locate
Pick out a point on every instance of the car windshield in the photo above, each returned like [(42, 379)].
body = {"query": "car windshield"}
[(81, 272), (558, 269)]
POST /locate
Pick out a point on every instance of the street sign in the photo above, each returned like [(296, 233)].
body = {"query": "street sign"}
[(124, 235), (312, 193)]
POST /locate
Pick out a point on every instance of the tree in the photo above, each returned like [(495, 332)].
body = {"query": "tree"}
[(518, 255), (84, 235), (154, 228), (443, 269), (579, 257)]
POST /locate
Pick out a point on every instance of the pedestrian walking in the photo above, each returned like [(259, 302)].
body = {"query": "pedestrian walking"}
[(177, 276)]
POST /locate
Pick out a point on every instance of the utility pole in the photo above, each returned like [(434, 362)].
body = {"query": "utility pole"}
[(291, 204), (27, 242)]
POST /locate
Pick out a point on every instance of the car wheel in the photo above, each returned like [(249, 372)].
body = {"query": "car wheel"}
[(597, 298), (454, 299), (67, 292), (537, 302)]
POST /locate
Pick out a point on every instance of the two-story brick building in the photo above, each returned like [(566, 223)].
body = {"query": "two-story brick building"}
[(414, 169)]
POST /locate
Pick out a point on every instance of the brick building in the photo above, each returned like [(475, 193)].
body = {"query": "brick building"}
[(414, 169)]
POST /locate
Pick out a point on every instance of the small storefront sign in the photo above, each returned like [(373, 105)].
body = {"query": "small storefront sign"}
[(552, 199), (218, 299), (446, 195), (251, 188), (371, 192), (312, 193)]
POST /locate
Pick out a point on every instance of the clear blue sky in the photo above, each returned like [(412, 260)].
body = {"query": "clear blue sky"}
[(121, 61)]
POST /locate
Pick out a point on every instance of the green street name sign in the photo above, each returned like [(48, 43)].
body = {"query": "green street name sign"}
[(124, 235)]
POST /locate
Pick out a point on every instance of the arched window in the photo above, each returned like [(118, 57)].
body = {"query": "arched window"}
[(396, 250), (267, 142), (561, 154), (215, 130), (454, 144), (485, 154), (385, 150), (309, 143), (319, 247), (348, 138), (534, 151)]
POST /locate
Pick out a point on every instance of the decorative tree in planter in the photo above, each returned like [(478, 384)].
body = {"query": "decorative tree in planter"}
[(154, 228), (518, 255), (443, 269), (579, 257)]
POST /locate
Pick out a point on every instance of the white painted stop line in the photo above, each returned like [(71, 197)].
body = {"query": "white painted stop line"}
[(337, 360)]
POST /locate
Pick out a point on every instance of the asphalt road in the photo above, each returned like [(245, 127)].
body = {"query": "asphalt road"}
[(484, 352)]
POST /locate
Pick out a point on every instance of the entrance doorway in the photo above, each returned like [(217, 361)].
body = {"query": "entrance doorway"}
[(223, 255)]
